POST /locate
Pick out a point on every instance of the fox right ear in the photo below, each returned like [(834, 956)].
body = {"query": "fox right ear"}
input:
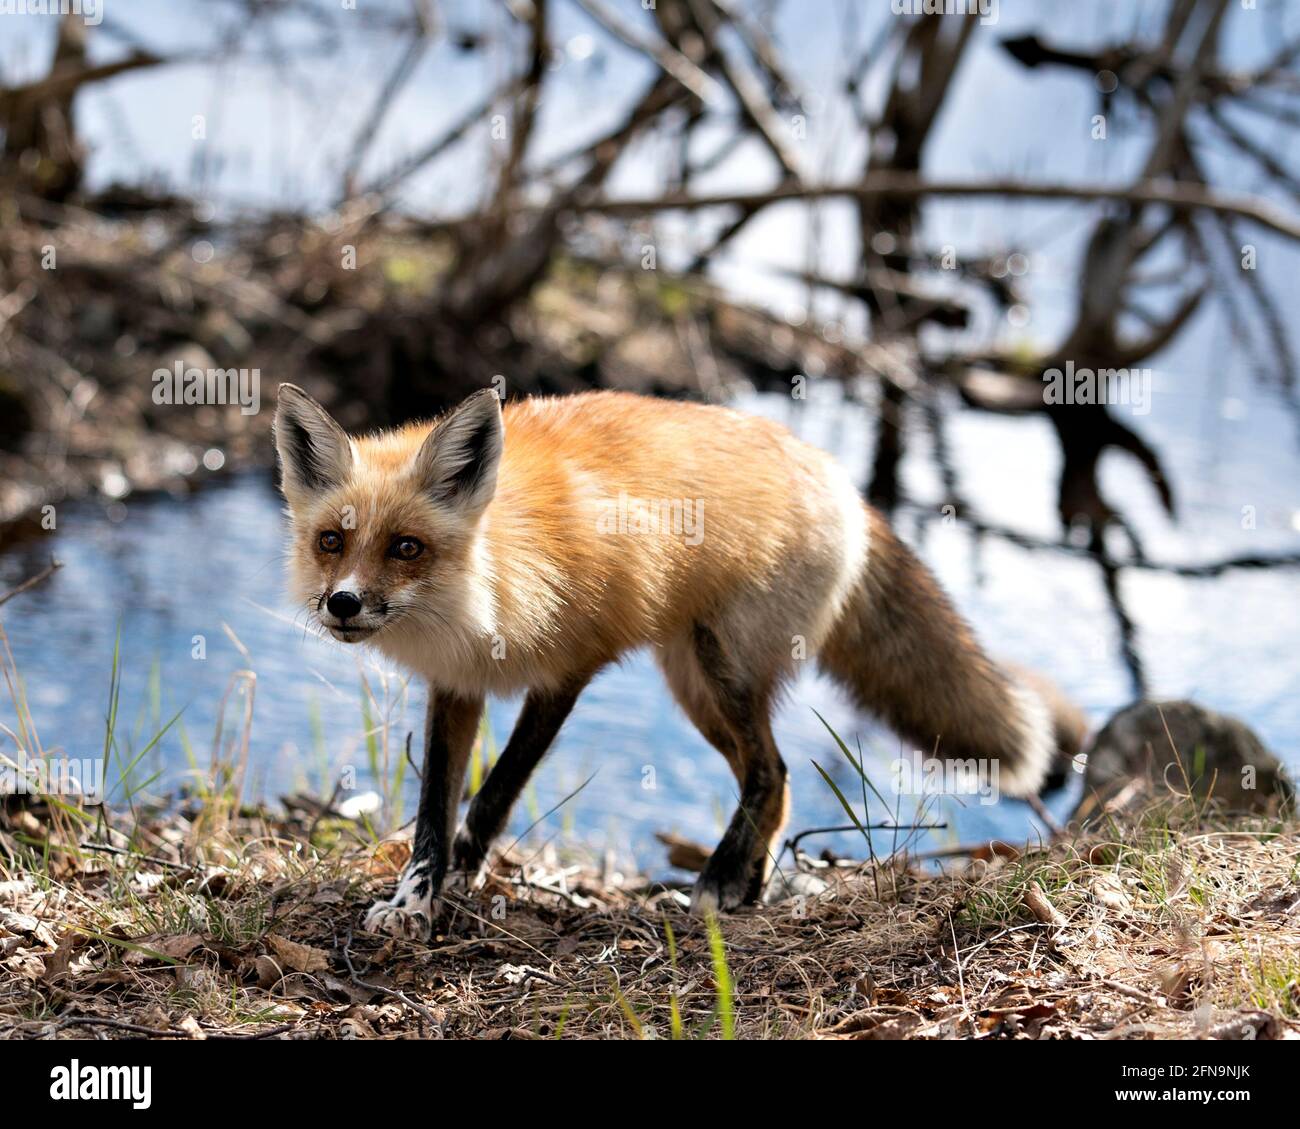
[(315, 453), (458, 462)]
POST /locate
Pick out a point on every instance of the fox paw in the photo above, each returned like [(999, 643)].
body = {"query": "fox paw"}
[(718, 894), (408, 914), (397, 921)]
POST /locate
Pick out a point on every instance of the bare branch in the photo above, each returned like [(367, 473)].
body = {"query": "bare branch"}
[(670, 60), (431, 152), (760, 112), (384, 100), (906, 186)]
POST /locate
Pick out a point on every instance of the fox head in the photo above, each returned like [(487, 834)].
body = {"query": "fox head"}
[(385, 528)]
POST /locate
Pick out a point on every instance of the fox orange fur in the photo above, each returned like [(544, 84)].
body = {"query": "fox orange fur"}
[(497, 551)]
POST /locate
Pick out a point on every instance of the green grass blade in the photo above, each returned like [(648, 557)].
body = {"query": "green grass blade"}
[(722, 977)]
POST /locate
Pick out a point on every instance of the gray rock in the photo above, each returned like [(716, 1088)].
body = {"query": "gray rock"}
[(1154, 749)]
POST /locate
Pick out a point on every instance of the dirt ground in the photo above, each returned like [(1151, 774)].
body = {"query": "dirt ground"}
[(1159, 929)]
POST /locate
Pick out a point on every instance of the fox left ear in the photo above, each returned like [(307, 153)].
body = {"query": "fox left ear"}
[(458, 461)]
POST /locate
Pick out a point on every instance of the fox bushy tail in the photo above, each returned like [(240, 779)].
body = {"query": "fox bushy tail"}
[(903, 652)]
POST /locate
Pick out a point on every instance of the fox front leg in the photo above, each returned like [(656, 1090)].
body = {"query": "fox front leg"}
[(450, 728), (543, 713)]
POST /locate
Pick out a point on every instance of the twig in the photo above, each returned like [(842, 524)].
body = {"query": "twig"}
[(957, 852), (1207, 570), (385, 184), (109, 849), (548, 813), (32, 581), (327, 809), (1040, 809), (956, 956), (345, 949), (909, 185), (384, 100), (121, 1025), (794, 842), (163, 1032), (760, 112), (66, 80), (670, 60), (524, 112), (1133, 993), (419, 774)]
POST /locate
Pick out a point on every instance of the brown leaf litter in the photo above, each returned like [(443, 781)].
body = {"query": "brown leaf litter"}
[(1152, 930)]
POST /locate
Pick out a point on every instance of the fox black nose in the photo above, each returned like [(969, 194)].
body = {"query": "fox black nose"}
[(343, 605)]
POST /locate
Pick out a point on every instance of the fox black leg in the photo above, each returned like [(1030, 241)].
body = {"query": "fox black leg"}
[(543, 713), (450, 728)]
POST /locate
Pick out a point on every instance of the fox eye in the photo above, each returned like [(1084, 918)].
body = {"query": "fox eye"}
[(405, 548), (331, 542)]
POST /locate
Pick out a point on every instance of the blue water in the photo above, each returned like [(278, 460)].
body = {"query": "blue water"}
[(169, 570)]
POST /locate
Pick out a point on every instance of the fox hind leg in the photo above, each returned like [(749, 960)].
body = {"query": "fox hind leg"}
[(696, 696), (732, 713)]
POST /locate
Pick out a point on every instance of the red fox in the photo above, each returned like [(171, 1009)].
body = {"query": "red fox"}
[(524, 550)]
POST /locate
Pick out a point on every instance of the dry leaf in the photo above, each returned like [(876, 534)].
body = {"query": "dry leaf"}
[(214, 883), (175, 948), (197, 979), (25, 967), (328, 896), (16, 890), (269, 974), (1041, 908), (1108, 890), (28, 824), (354, 1027), (389, 858), (994, 849), (56, 964), (179, 947), (1178, 877), (345, 991), (299, 958), (145, 882), (12, 922), (376, 1015), (1178, 981), (685, 854)]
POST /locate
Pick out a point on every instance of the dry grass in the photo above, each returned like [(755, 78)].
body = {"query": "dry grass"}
[(1168, 927)]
